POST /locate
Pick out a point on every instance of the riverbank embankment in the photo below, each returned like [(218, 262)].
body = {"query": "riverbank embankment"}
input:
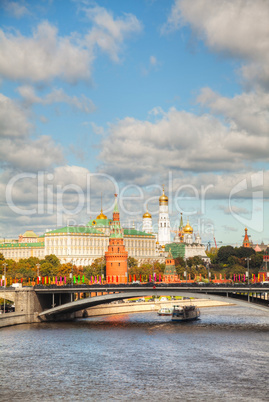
[(137, 307)]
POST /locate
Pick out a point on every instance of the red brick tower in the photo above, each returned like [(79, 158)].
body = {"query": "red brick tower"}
[(116, 256), (246, 239)]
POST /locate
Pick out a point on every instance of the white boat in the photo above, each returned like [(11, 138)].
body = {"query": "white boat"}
[(185, 313), (165, 311)]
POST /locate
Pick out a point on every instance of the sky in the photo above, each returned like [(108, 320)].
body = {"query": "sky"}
[(104, 97)]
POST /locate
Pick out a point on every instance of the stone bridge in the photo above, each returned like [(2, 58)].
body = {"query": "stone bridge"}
[(236, 295), (42, 303)]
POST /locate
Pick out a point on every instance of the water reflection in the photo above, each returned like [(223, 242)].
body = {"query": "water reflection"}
[(223, 356)]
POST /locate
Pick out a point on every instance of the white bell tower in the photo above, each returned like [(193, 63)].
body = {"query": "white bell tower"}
[(164, 236)]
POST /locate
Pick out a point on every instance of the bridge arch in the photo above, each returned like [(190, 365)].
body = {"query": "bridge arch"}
[(82, 304)]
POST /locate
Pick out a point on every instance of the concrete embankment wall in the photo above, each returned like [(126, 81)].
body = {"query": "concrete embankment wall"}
[(122, 308), (9, 319)]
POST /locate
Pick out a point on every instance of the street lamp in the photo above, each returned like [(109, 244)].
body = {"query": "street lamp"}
[(71, 274), (37, 271), (208, 273), (186, 271), (4, 277), (247, 273)]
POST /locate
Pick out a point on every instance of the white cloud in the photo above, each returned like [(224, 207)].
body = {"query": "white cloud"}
[(30, 155), (13, 120), (97, 129), (109, 33), (234, 209), (83, 103), (46, 55), (178, 141), (52, 194), (236, 27), (43, 56), (18, 150), (15, 9), (247, 111)]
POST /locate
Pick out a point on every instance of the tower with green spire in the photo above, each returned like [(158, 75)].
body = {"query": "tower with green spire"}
[(116, 230), (116, 255), (170, 268)]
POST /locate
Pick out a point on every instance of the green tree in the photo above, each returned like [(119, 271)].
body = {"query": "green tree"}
[(256, 260), (196, 261), (23, 269), (132, 262), (213, 255), (224, 253), (243, 252), (2, 258), (47, 269), (97, 268), (179, 261), (180, 271), (52, 259)]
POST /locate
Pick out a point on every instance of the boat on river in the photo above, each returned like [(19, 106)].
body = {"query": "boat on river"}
[(185, 313), (165, 311)]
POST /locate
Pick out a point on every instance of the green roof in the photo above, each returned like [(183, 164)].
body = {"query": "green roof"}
[(29, 233), (20, 245), (177, 249), (99, 222), (134, 232), (76, 229)]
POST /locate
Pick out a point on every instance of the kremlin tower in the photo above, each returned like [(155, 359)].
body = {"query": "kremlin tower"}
[(170, 268), (164, 222), (246, 239), (116, 256), (147, 223)]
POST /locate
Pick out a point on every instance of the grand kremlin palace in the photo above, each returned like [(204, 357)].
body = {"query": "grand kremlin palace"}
[(83, 244)]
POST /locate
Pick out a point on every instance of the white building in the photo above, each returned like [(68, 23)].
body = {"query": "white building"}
[(164, 235)]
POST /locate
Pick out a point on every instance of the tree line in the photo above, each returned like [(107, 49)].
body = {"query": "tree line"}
[(226, 260)]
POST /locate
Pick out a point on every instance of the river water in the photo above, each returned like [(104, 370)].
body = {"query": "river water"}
[(139, 357)]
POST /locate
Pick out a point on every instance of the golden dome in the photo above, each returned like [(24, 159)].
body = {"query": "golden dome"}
[(188, 228), (101, 216), (163, 200), (163, 246), (157, 242), (147, 215)]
